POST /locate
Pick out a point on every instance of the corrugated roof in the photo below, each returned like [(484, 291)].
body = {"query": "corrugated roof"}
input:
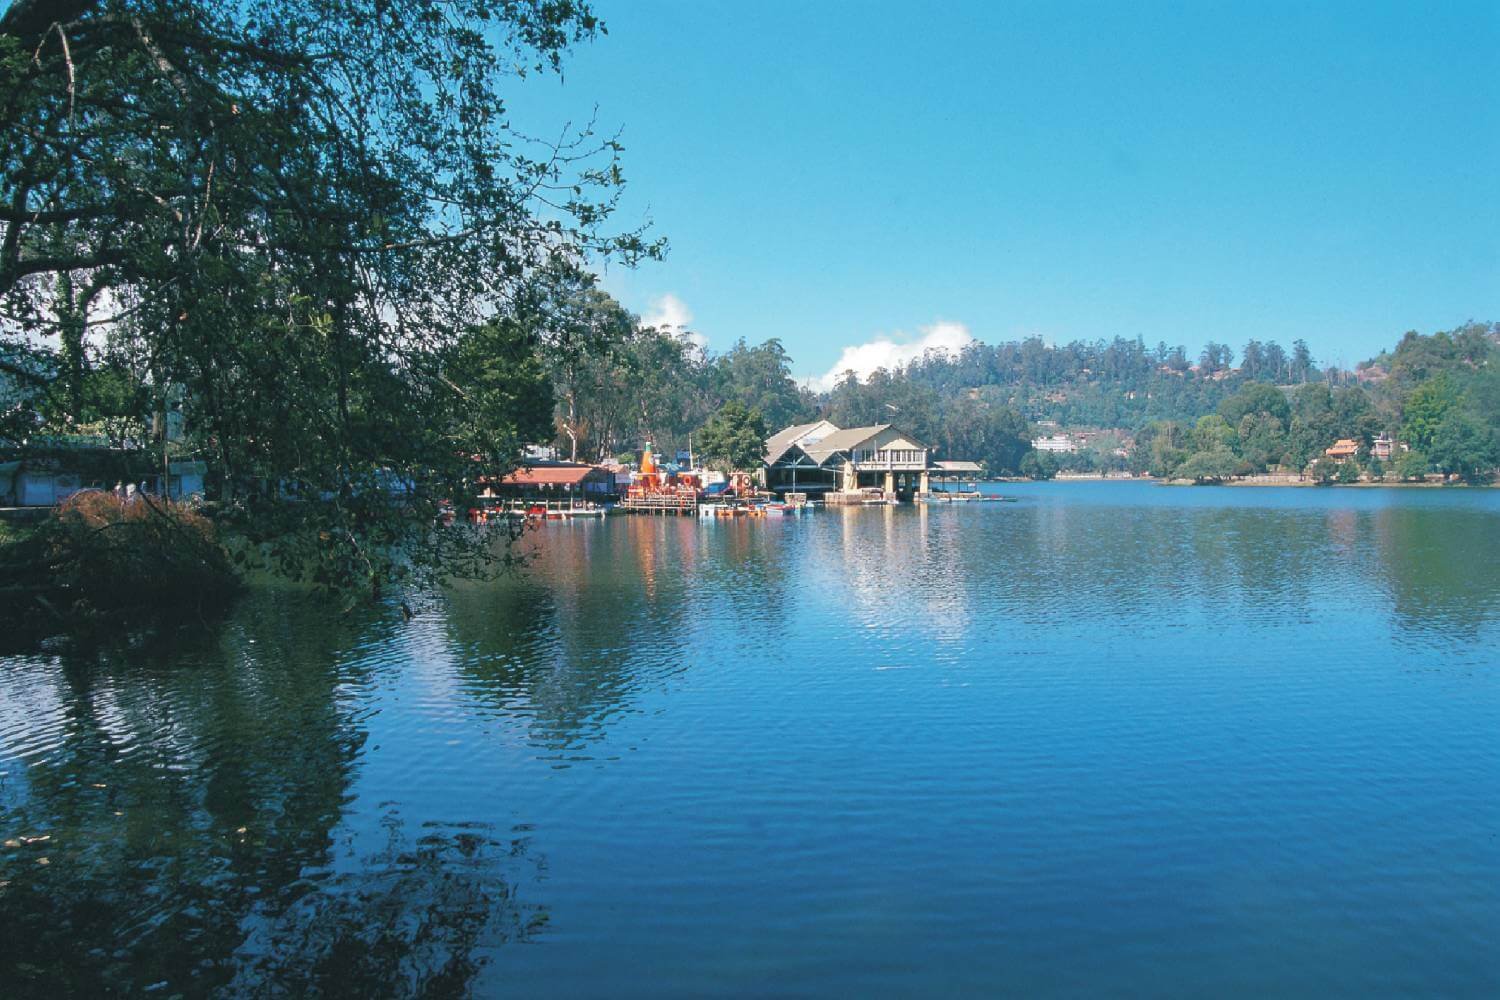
[(958, 466), (844, 440), (778, 443)]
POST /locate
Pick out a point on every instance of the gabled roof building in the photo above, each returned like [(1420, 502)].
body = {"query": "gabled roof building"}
[(1342, 448), (821, 457)]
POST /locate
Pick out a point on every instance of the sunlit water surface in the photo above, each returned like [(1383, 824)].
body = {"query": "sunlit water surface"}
[(1111, 739)]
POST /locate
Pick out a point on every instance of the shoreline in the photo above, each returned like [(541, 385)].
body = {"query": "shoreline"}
[(1301, 483), (1296, 483)]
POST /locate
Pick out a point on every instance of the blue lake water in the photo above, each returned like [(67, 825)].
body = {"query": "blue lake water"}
[(1114, 738)]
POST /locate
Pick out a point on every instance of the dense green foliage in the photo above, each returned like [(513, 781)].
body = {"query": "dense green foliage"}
[(969, 424), (99, 563), (625, 383), (1117, 383), (1276, 410), (1432, 395), (297, 228), (734, 438)]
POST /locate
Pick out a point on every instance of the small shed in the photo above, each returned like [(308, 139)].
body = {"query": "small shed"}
[(945, 474)]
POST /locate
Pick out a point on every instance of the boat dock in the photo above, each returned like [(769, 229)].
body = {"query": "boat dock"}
[(666, 504)]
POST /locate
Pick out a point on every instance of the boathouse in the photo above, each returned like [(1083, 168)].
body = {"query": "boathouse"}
[(956, 477), (823, 459), (553, 481)]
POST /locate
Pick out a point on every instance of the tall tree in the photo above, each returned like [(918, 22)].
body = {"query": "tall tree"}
[(760, 378), (289, 213), (1425, 409), (1463, 446), (734, 439), (1301, 364)]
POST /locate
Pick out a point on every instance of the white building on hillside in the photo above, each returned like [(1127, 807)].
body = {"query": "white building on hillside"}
[(1055, 442)]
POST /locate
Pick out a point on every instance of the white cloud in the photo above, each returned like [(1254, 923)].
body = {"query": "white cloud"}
[(671, 314), (891, 352)]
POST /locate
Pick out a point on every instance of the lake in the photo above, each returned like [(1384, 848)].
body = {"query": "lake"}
[(1114, 738)]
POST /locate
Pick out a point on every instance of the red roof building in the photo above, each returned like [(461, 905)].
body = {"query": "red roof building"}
[(553, 480), (1343, 448)]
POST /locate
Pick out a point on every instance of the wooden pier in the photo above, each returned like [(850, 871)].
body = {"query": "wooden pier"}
[(867, 497), (681, 504)]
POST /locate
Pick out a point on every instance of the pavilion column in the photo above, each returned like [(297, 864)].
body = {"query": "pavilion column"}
[(924, 483), (890, 482)]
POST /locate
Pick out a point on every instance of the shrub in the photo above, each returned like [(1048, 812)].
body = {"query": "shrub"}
[(100, 560), (1325, 470)]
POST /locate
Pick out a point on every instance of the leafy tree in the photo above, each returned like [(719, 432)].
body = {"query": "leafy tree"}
[(502, 399), (1216, 357), (1210, 466), (586, 334), (1325, 470), (1262, 440), (1463, 446), (1301, 364), (1412, 465), (1418, 358), (1159, 449), (976, 430), (1278, 367), (1213, 433), (1348, 472), (760, 379), (1353, 416), (1484, 394), (1312, 404), (290, 214), (1425, 409), (734, 439), (1253, 359), (1039, 465), (1257, 399)]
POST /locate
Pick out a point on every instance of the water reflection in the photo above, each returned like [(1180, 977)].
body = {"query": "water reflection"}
[(605, 612), (905, 722), (1441, 568), (172, 824)]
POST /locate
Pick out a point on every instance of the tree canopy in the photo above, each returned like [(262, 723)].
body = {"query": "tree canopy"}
[(287, 219), (734, 439)]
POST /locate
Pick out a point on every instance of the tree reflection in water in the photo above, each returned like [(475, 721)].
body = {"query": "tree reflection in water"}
[(414, 920), (176, 824)]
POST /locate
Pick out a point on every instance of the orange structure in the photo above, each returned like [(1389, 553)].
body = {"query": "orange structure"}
[(655, 491), (1342, 448), (648, 477)]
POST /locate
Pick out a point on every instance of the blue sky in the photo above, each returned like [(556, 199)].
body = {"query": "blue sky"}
[(841, 174)]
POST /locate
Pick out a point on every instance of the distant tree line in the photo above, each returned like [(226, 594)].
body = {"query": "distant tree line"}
[(1436, 397), (618, 384), (1207, 420)]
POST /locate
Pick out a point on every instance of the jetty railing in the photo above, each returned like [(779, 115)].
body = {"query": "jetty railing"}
[(661, 503)]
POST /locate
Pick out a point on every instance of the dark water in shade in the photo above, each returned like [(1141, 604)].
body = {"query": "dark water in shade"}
[(1115, 739)]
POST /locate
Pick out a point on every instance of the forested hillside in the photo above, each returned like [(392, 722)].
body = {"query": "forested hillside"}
[(1209, 416), (1437, 394)]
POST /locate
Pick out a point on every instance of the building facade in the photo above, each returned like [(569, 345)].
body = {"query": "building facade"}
[(822, 458), (1055, 443)]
